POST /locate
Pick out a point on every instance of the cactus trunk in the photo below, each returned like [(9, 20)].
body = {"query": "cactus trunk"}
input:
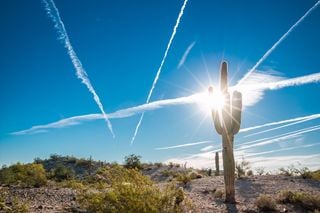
[(227, 124), (217, 164), (228, 167)]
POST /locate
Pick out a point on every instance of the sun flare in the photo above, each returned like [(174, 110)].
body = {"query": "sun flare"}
[(214, 100)]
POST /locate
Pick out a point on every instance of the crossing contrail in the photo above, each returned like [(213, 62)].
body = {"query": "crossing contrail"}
[(53, 13), (278, 42), (160, 67)]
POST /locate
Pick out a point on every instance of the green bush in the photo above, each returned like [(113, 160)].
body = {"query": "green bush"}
[(62, 172), (130, 191), (132, 162), (32, 175), (265, 203), (184, 179)]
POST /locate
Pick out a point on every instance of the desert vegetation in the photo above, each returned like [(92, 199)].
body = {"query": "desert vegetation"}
[(70, 184)]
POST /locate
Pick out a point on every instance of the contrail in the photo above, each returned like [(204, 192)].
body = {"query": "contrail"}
[(53, 13), (185, 54), (292, 120), (191, 99), (277, 136), (266, 142), (282, 126), (183, 145), (122, 113), (279, 41), (160, 67), (281, 150)]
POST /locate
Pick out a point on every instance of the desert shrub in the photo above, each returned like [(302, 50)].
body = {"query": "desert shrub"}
[(260, 170), (184, 179), (242, 168), (218, 194), (55, 157), (289, 171), (307, 201), (16, 206), (168, 173), (315, 175), (171, 165), (130, 191), (265, 203), (305, 173), (71, 159), (158, 165), (83, 163), (32, 175), (61, 172), (72, 184), (195, 175), (38, 161), (249, 172), (132, 162)]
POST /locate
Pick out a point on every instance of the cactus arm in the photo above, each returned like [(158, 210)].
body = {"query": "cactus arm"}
[(236, 111)]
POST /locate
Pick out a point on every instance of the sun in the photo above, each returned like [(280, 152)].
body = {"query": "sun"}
[(212, 100)]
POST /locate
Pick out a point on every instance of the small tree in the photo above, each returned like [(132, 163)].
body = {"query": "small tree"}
[(132, 162), (62, 172)]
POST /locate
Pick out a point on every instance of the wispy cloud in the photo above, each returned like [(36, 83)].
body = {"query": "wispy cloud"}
[(207, 148), (278, 42), (185, 55), (160, 67), (53, 13), (183, 145), (257, 83)]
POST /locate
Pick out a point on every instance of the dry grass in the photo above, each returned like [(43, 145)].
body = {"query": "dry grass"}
[(265, 203), (307, 201)]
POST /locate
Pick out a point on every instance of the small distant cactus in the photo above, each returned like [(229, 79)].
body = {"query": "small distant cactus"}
[(217, 164), (227, 124)]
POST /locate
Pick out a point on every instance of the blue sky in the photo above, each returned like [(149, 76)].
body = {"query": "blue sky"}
[(120, 44)]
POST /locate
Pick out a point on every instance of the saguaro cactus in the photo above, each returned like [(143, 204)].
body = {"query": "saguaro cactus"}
[(227, 124), (217, 164)]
